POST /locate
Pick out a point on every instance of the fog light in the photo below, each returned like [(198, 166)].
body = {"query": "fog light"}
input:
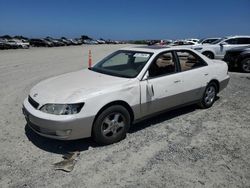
[(63, 132)]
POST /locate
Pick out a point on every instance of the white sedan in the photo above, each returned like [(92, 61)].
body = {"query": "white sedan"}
[(218, 48), (127, 86)]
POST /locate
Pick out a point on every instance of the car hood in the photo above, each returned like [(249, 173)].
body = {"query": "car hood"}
[(75, 87)]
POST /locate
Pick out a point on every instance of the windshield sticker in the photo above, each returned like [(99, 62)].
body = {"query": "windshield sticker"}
[(141, 55)]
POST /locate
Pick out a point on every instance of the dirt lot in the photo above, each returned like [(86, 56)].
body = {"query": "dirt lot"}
[(188, 147)]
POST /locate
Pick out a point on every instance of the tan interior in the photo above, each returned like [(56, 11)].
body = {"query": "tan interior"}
[(165, 60), (187, 62)]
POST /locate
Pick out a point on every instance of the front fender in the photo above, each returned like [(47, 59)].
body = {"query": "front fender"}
[(128, 93)]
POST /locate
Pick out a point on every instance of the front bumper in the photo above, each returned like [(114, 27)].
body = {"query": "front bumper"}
[(61, 127)]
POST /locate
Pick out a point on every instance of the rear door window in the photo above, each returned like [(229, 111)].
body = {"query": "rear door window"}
[(232, 41), (189, 60), (243, 40)]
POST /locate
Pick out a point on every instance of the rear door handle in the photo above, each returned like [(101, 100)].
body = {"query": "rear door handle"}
[(205, 74), (177, 81)]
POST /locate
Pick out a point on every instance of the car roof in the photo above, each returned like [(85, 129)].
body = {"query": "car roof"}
[(154, 48), (211, 38), (238, 36)]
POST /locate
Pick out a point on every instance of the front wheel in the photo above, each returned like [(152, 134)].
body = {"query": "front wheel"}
[(245, 65), (209, 96), (210, 55), (111, 125)]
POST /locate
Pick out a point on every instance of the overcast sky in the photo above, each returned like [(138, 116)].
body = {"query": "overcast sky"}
[(125, 19)]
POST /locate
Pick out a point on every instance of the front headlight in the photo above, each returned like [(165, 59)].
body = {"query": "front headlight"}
[(62, 109)]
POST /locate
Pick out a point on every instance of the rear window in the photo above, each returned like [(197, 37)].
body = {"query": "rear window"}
[(189, 60), (243, 40)]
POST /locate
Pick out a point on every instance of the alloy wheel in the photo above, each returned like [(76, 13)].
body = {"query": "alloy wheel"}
[(112, 125), (210, 94), (246, 65)]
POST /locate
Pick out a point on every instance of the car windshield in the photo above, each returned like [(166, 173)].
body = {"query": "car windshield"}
[(123, 63), (201, 40), (219, 40)]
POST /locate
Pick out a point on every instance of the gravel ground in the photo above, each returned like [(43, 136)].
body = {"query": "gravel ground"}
[(188, 147)]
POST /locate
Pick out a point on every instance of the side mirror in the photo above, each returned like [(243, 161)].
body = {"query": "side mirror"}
[(223, 43), (146, 76)]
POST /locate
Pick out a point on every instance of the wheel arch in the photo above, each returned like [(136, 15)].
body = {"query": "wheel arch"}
[(242, 57), (118, 102), (217, 84), (208, 51)]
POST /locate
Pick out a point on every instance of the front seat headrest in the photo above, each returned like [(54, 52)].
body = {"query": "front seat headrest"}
[(164, 60)]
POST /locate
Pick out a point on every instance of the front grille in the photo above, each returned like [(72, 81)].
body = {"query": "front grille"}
[(33, 103)]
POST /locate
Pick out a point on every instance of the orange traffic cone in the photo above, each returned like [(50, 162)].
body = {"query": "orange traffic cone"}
[(90, 59)]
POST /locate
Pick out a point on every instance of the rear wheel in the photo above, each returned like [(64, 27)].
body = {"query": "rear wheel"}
[(245, 65), (111, 125), (209, 95), (210, 55)]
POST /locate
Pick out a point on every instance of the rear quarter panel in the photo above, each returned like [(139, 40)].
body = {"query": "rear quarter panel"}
[(218, 70)]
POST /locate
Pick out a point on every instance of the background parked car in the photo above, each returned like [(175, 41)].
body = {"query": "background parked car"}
[(55, 42), (101, 41), (4, 45), (182, 42), (193, 40), (12, 44), (90, 41), (218, 48), (21, 43), (66, 41), (207, 40), (239, 57), (40, 43), (76, 41)]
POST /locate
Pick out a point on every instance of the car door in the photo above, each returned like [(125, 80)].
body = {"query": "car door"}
[(161, 86), (195, 75), (226, 45), (184, 85), (229, 44)]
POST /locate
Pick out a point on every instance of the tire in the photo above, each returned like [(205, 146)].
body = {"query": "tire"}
[(245, 65), (209, 96), (210, 55), (111, 125)]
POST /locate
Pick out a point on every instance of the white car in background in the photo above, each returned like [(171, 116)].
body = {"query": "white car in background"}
[(208, 40), (19, 42), (127, 86), (192, 40), (217, 49)]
